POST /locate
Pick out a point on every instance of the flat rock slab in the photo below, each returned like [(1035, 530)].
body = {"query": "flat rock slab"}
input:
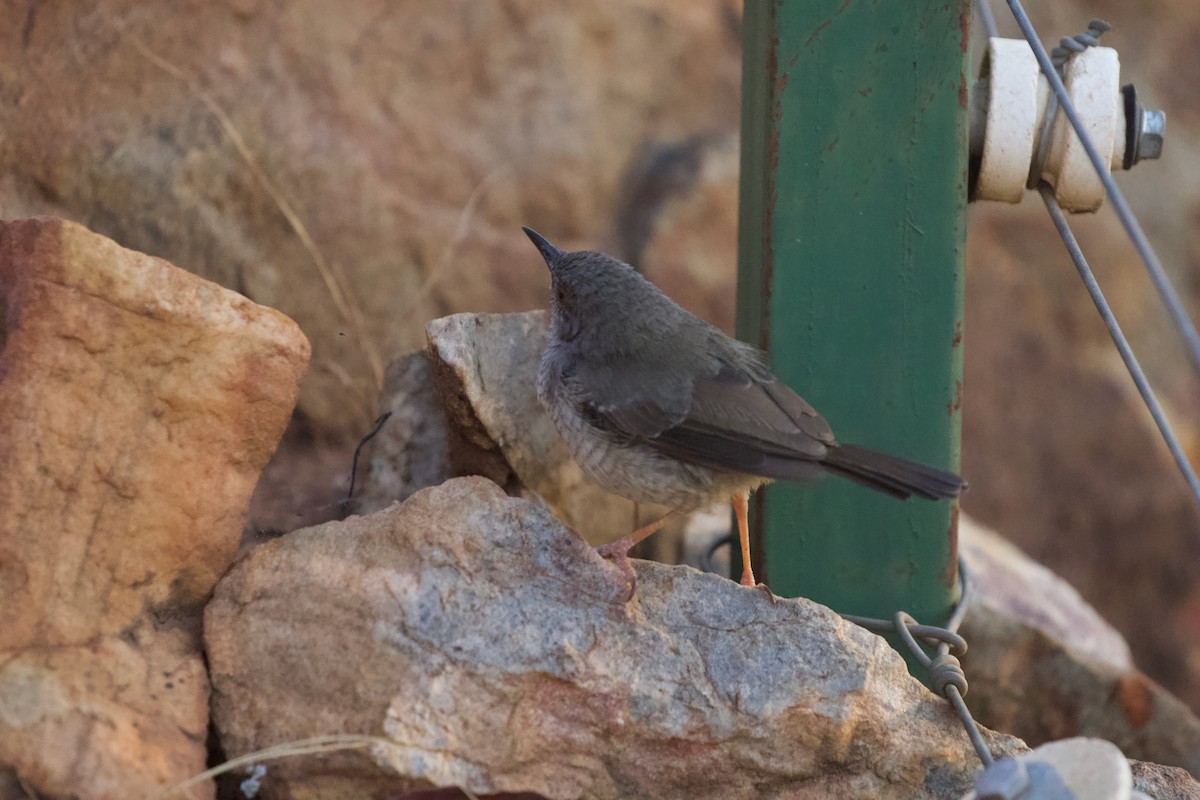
[(496, 651), (138, 404)]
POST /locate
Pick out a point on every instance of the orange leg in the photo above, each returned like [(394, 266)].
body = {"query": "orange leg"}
[(741, 504)]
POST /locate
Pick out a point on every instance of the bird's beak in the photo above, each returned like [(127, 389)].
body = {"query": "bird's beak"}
[(548, 251)]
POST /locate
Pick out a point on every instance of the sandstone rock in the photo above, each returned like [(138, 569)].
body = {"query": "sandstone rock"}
[(137, 405), (1044, 666), (414, 139), (497, 652), (485, 367)]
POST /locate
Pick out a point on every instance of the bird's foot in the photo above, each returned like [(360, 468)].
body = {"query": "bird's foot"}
[(618, 553), (615, 550)]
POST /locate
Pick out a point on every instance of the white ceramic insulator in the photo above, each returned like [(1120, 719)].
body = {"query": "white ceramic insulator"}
[(1013, 113), (1017, 100), (1093, 80)]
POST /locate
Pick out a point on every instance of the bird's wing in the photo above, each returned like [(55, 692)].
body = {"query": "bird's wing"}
[(626, 401), (725, 418)]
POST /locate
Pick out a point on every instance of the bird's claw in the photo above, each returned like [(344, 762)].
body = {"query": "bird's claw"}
[(748, 581), (774, 598)]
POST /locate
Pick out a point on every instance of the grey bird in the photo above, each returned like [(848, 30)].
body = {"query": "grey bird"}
[(659, 406)]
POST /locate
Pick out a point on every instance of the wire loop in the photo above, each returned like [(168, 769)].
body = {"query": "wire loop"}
[(946, 676), (1068, 46)]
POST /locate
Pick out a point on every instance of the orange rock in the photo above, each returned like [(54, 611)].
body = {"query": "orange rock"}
[(138, 404)]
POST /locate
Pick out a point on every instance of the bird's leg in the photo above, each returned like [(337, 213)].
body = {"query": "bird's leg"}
[(621, 547), (741, 507)]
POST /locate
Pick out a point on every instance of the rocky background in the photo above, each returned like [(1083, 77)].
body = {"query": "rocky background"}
[(367, 168)]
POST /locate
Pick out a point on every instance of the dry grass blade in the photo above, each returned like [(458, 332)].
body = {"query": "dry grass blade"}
[(331, 275), (460, 232), (302, 747), (320, 744)]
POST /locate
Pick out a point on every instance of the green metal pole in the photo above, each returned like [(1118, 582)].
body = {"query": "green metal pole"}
[(853, 195)]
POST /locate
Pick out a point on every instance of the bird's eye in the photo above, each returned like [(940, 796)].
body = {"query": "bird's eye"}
[(560, 294)]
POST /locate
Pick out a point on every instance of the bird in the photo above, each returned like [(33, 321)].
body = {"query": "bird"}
[(658, 406)]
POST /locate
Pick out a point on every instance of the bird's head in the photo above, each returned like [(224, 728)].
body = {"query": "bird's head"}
[(598, 299), (570, 283)]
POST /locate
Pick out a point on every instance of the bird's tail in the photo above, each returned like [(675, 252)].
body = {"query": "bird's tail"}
[(896, 476)]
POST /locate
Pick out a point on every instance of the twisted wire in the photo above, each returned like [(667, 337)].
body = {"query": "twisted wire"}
[(1068, 46), (946, 676)]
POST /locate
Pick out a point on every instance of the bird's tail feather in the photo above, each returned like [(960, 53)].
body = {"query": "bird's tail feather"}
[(896, 476)]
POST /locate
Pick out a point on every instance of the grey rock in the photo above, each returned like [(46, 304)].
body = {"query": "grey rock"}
[(412, 449), (496, 651)]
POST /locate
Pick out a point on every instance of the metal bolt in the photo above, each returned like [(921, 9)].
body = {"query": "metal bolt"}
[(1006, 779), (1150, 142)]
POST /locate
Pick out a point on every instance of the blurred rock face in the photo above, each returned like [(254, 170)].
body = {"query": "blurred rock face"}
[(366, 168), (409, 140), (1061, 453)]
